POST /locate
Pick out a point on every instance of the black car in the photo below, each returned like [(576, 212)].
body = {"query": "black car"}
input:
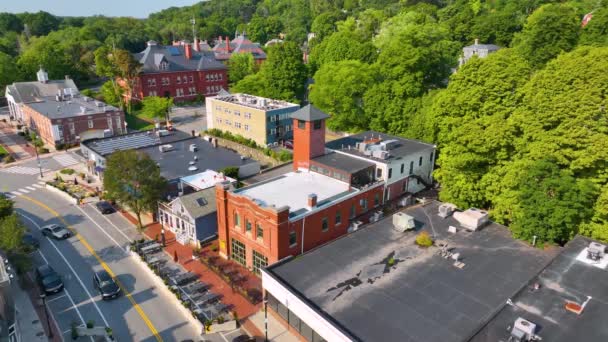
[(106, 286), (50, 282), (104, 207), (30, 241)]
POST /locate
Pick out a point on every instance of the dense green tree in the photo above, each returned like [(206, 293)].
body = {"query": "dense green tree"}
[(563, 114), (325, 24), (8, 70), (549, 31), (10, 22), (157, 107), (127, 69), (11, 234), (470, 120), (240, 65), (341, 46), (338, 90), (282, 76), (596, 31), (6, 206), (262, 29), (134, 180), (40, 23), (549, 203), (111, 94), (597, 228)]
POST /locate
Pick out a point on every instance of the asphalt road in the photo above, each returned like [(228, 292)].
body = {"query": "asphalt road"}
[(143, 313)]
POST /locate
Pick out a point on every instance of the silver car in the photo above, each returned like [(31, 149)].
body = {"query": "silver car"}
[(56, 231)]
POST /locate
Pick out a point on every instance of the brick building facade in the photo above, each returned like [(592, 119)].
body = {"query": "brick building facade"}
[(182, 72), (70, 121)]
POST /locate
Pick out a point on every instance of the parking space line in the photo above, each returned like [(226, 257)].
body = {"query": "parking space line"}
[(105, 266), (73, 272), (54, 299), (113, 225)]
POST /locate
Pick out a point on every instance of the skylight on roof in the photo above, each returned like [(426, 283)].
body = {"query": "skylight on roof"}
[(174, 51), (201, 202)]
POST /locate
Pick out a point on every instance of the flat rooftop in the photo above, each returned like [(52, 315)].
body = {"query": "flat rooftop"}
[(175, 164), (256, 102), (569, 277), (422, 296), (343, 162), (136, 140), (292, 189), (75, 106), (403, 147)]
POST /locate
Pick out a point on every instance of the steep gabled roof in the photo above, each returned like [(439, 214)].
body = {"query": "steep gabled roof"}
[(152, 57)]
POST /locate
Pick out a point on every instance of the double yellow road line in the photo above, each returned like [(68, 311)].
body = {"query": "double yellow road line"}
[(105, 266)]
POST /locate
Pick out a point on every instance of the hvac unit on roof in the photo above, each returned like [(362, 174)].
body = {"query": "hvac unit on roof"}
[(99, 104), (595, 251), (523, 331), (446, 209), (380, 154), (403, 222), (472, 218)]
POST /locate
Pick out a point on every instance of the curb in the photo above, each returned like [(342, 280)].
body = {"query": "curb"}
[(66, 196)]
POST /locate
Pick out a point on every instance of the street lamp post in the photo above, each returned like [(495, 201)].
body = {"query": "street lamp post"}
[(266, 316), (38, 160), (46, 313)]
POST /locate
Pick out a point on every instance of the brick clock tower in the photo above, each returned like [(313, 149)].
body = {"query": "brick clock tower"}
[(308, 135)]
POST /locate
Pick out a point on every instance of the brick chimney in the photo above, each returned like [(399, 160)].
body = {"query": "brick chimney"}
[(197, 44), (188, 50), (227, 45), (312, 201)]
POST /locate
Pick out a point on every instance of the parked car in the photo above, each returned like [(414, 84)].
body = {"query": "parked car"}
[(104, 207), (30, 241), (106, 286), (49, 281), (56, 232)]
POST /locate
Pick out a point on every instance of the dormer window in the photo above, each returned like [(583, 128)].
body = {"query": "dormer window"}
[(164, 65)]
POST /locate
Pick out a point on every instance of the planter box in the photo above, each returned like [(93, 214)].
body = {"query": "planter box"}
[(226, 326), (94, 332), (61, 193)]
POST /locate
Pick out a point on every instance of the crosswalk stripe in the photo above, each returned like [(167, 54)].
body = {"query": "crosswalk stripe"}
[(37, 186), (41, 183), (31, 188), (16, 193), (24, 191)]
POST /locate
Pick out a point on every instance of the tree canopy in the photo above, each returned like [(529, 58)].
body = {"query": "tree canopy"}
[(241, 65), (134, 180)]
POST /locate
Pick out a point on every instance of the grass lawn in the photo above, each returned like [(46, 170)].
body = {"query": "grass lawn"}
[(133, 122)]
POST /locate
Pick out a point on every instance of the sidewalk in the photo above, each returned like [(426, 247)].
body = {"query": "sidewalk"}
[(277, 332), (14, 143), (31, 318)]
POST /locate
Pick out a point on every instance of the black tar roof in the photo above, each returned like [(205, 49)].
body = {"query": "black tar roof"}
[(566, 278), (174, 164), (343, 162), (309, 113), (403, 148), (422, 297)]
